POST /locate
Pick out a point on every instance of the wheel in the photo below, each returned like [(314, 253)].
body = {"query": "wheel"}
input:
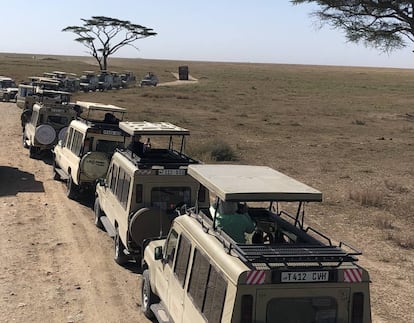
[(32, 152), (25, 145), (98, 213), (119, 256), (56, 176), (147, 296), (71, 188)]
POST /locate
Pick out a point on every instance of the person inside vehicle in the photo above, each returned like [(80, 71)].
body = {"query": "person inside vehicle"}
[(136, 146), (110, 118), (233, 223)]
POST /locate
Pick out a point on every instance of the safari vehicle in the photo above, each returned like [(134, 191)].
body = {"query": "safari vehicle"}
[(29, 94), (128, 79), (8, 89), (105, 81), (139, 196), (116, 80), (89, 81), (286, 272), (48, 124), (149, 80), (84, 154)]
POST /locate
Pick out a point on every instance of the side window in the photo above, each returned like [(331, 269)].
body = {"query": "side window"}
[(170, 247), (75, 145), (114, 178), (207, 288), (122, 189), (69, 137), (183, 256)]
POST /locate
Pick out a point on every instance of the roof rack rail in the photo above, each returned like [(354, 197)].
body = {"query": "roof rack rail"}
[(165, 158)]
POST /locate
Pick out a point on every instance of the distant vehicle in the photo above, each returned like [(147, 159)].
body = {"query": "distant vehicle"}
[(8, 89), (48, 123), (105, 81), (154, 184), (116, 80), (89, 81), (84, 154), (149, 80), (283, 272), (128, 79), (28, 95)]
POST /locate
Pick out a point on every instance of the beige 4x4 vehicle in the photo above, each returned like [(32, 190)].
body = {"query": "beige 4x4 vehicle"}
[(84, 154), (45, 126), (283, 272), (141, 192)]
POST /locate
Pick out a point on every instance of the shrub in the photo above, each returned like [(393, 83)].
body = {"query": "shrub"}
[(368, 197)]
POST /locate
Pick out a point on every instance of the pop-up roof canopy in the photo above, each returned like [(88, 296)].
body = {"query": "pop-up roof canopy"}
[(88, 106), (252, 183), (134, 128)]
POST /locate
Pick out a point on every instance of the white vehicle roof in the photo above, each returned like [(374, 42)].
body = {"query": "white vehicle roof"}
[(152, 128), (252, 183), (5, 78), (89, 106)]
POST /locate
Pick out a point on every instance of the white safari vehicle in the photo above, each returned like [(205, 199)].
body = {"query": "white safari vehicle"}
[(284, 272), (8, 89), (141, 192), (84, 154), (46, 124)]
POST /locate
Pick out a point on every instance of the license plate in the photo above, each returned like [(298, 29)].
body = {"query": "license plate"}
[(304, 276), (111, 132), (173, 172)]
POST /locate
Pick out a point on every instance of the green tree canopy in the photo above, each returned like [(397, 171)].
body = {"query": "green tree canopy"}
[(104, 36), (382, 24)]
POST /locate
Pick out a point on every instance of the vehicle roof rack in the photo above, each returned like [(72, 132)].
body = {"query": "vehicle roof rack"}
[(159, 158)]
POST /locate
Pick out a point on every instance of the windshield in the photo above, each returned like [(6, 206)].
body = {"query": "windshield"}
[(169, 198)]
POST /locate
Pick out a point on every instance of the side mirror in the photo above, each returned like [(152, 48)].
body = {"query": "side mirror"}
[(102, 182), (158, 253), (60, 142)]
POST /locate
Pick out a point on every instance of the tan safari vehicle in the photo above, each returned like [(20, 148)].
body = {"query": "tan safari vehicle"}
[(142, 191), (84, 154), (46, 124), (284, 271)]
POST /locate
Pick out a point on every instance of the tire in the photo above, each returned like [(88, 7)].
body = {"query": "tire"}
[(119, 256), (147, 296), (71, 188), (24, 142), (56, 176), (32, 152), (98, 213)]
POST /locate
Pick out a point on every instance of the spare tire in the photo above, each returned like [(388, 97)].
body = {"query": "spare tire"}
[(62, 133), (149, 223), (45, 134), (94, 164)]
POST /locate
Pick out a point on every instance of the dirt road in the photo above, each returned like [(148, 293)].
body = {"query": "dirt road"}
[(55, 265)]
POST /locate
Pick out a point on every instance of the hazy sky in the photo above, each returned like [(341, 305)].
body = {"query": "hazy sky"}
[(267, 31)]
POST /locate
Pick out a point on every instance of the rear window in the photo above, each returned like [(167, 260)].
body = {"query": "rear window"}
[(302, 310), (169, 198)]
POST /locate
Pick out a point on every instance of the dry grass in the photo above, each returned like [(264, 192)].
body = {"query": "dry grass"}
[(368, 197)]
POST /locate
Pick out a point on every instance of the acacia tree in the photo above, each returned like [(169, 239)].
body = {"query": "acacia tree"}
[(382, 24), (104, 36)]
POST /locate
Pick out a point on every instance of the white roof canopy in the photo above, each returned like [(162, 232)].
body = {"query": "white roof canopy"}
[(152, 128), (252, 183), (89, 106)]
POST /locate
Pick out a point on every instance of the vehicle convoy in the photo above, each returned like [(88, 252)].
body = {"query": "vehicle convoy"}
[(143, 188), (84, 154), (8, 89), (46, 125), (283, 272)]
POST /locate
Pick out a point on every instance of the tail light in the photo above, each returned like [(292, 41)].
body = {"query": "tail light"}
[(247, 309), (357, 315)]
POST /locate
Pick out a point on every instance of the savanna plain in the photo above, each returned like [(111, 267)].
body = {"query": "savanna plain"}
[(346, 131)]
